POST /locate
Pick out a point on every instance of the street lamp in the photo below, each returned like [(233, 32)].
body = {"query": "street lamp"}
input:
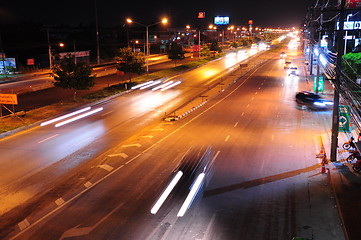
[(164, 21)]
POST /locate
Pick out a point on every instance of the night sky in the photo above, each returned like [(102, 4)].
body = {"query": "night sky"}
[(264, 13)]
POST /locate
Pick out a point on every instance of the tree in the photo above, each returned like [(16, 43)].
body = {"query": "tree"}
[(70, 75), (205, 52), (175, 52), (215, 47), (130, 62), (351, 65)]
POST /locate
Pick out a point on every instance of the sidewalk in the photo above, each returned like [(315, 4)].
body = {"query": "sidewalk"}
[(346, 183)]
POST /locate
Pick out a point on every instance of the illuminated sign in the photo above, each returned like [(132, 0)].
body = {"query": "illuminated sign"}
[(201, 15), (250, 22), (221, 20), (350, 25)]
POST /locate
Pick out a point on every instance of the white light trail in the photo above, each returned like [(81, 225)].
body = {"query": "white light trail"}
[(191, 195), (162, 86), (166, 192), (142, 84), (65, 116), (151, 84), (170, 86), (78, 117)]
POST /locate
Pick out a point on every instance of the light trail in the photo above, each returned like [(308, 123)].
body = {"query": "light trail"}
[(166, 192), (151, 84), (78, 117), (171, 85), (191, 195), (65, 116), (162, 86)]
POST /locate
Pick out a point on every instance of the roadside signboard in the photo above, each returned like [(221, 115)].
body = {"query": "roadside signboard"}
[(321, 84), (8, 99), (344, 119), (30, 61)]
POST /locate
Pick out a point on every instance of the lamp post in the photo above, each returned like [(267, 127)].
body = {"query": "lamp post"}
[(164, 21), (49, 51)]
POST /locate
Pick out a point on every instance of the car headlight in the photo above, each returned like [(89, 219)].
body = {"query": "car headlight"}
[(320, 104)]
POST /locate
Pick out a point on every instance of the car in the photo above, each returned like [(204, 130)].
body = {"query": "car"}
[(293, 71), (283, 55), (287, 64), (313, 101)]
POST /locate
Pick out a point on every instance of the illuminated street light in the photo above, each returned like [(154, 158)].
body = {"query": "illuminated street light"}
[(164, 21)]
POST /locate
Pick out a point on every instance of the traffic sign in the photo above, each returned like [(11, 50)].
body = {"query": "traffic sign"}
[(344, 119), (321, 83)]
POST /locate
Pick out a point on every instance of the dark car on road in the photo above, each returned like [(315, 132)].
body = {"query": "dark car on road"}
[(313, 101)]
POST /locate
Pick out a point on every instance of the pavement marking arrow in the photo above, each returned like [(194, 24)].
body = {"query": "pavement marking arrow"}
[(59, 201), (132, 145), (148, 136), (106, 167), (123, 155), (77, 231)]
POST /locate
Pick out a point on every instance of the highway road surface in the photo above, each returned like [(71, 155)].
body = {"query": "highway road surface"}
[(100, 176)]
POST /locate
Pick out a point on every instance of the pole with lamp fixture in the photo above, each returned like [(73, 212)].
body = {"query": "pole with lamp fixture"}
[(164, 21)]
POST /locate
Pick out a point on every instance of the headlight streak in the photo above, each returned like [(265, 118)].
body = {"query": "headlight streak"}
[(142, 85), (166, 192), (195, 188), (162, 86), (151, 84), (170, 86), (78, 117), (65, 116)]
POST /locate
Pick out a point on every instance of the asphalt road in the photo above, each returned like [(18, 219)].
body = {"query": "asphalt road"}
[(99, 177)]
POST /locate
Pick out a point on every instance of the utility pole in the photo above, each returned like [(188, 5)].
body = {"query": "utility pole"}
[(3, 57), (49, 50), (97, 31), (336, 98)]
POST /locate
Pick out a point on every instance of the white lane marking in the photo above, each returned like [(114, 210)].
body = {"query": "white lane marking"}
[(226, 138), (131, 145), (23, 224), (106, 167), (242, 114), (46, 139), (123, 155), (235, 125), (247, 105), (272, 137), (85, 139), (207, 234), (59, 201), (131, 160), (135, 157), (252, 99), (104, 114), (82, 231), (157, 129), (88, 184), (148, 136), (256, 93)]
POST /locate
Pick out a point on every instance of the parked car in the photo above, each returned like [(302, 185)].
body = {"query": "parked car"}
[(313, 101)]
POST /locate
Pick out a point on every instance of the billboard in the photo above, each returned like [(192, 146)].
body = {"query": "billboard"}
[(221, 20), (350, 25)]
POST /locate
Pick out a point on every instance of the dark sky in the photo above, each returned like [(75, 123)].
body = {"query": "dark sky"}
[(264, 13)]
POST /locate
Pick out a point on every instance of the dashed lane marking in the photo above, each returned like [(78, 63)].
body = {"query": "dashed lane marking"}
[(59, 201), (46, 139), (123, 155), (23, 224), (226, 138)]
